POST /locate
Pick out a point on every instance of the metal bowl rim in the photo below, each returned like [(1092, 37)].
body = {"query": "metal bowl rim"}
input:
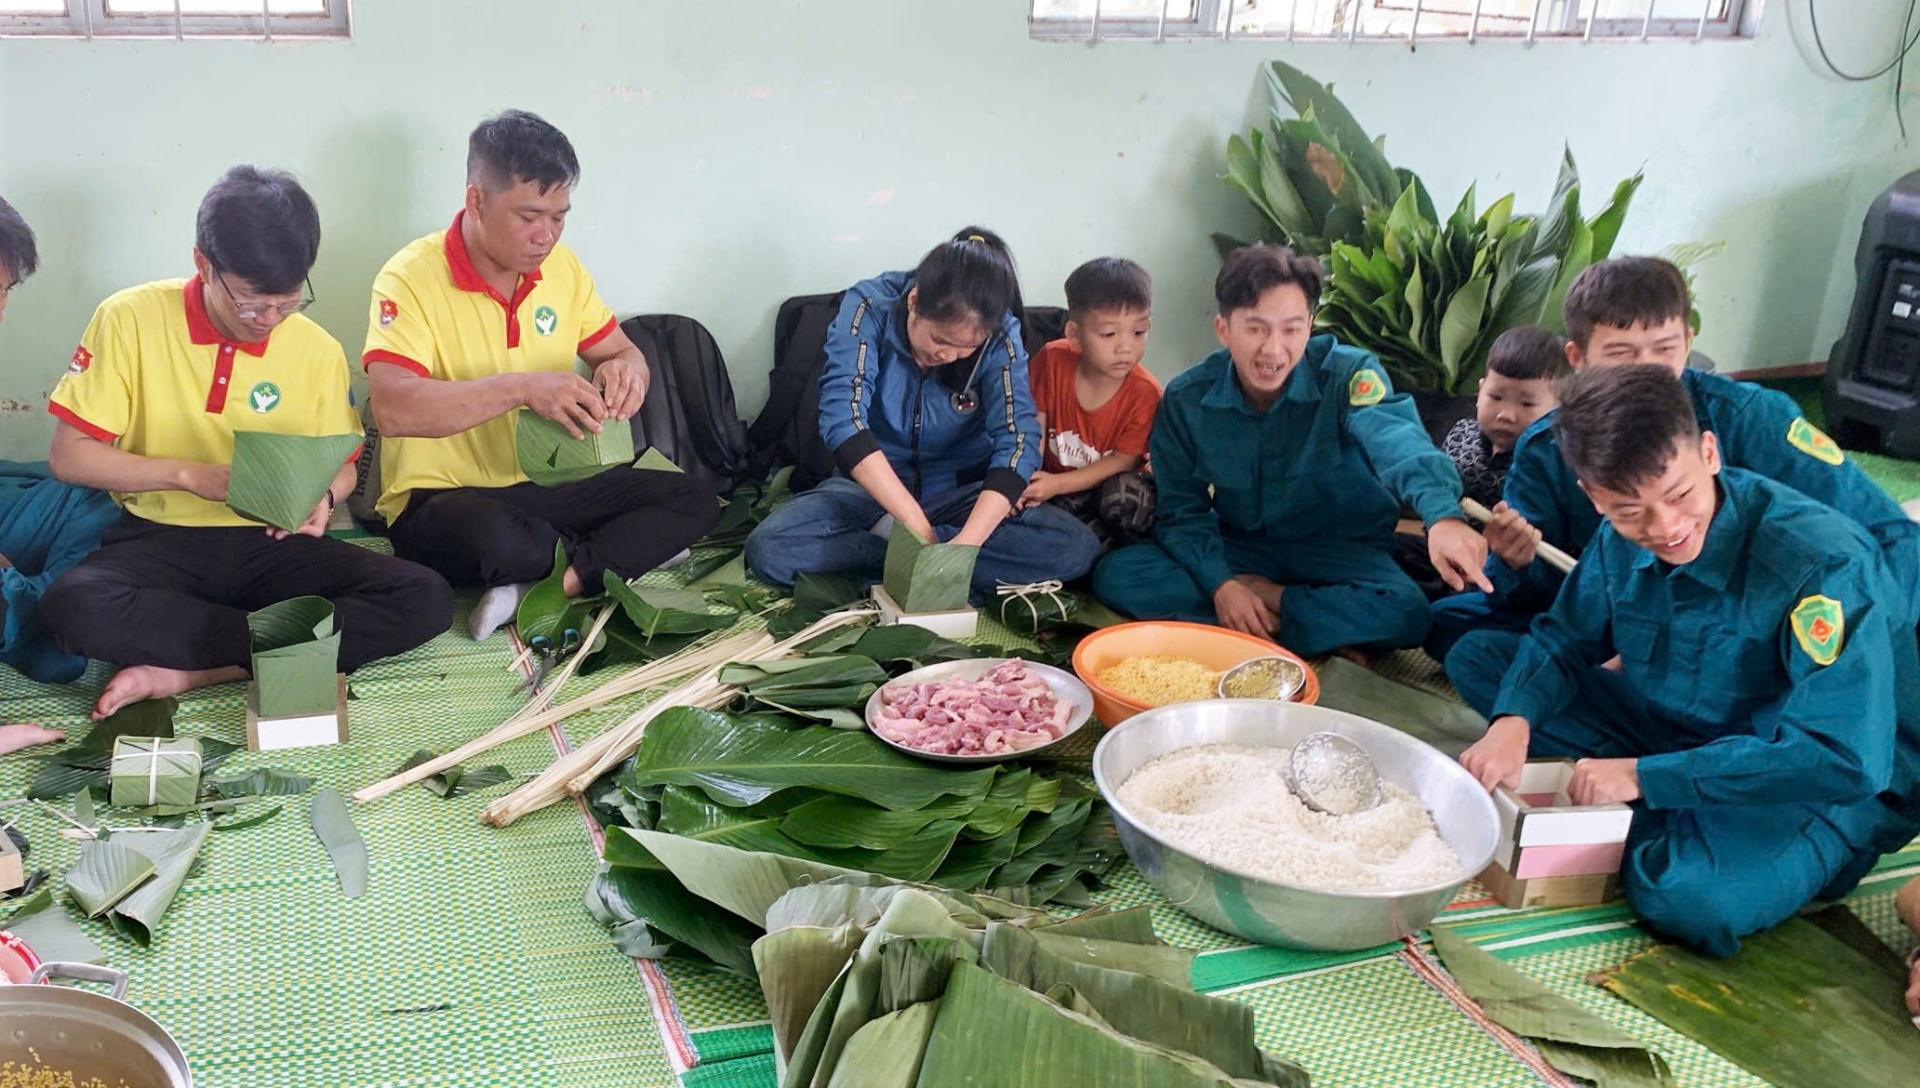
[(1292, 695), (1110, 794), (1056, 678)]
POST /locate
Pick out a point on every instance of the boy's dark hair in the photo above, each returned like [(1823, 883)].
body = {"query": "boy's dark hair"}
[(1252, 271), (1111, 285), (969, 277), (515, 146), (260, 226), (1624, 292), (1618, 425), (1526, 352), (19, 255)]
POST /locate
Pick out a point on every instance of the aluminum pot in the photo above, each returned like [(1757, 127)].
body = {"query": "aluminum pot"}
[(1283, 914), (93, 1036)]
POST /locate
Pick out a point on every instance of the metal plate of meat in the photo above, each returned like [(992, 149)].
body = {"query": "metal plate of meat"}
[(1062, 686)]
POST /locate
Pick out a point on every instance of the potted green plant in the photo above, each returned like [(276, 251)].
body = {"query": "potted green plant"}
[(1426, 294)]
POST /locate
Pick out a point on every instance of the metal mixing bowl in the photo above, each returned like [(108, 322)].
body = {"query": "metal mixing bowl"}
[(1283, 914)]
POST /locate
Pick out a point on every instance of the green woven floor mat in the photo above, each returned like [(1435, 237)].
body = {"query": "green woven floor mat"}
[(470, 962)]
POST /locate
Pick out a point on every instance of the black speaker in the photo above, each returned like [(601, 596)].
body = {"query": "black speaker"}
[(1872, 387)]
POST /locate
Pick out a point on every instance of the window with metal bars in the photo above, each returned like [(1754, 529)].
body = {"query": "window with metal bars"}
[(261, 19), (1408, 21)]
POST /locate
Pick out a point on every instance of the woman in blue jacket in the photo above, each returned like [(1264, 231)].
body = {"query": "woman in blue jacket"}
[(925, 404)]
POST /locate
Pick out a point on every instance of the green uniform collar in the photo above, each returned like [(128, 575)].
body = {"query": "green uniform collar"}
[(1303, 385), (1713, 567)]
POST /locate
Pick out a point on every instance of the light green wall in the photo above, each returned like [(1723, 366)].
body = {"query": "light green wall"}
[(739, 152)]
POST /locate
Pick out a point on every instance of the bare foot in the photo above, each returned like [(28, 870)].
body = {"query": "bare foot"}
[(15, 737), (137, 682), (1266, 588), (1356, 655)]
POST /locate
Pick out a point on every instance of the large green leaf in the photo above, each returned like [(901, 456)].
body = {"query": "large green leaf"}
[(549, 455), (1579, 254), (658, 610), (545, 609), (1283, 203), (1460, 325), (886, 1051), (279, 478), (1606, 225), (742, 762), (172, 853), (296, 657), (927, 577), (620, 896), (846, 823), (107, 872), (1305, 94), (691, 815), (1563, 209), (333, 824), (50, 933), (1444, 723), (270, 781), (741, 881), (1796, 1007)]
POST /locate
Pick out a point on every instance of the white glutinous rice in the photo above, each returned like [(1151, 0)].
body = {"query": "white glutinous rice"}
[(1229, 805)]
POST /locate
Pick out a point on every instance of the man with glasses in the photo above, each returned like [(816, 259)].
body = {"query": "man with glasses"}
[(471, 326), (163, 377), (45, 528)]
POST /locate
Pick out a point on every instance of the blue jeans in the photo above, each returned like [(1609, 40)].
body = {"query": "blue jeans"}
[(828, 529)]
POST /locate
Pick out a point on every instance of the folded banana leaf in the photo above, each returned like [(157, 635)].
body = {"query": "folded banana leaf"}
[(740, 762), (925, 577), (86, 764), (107, 872), (546, 610), (172, 852), (831, 689), (550, 456), (1448, 725), (279, 478), (655, 460), (1573, 1040), (296, 657), (266, 782), (1796, 1006), (688, 813), (333, 825), (660, 611), (53, 936), (651, 912)]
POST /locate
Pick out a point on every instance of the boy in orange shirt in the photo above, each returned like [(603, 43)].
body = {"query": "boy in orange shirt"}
[(1096, 404)]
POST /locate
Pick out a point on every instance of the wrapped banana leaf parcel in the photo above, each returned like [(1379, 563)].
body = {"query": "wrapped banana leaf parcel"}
[(877, 983), (776, 785), (549, 455), (279, 479)]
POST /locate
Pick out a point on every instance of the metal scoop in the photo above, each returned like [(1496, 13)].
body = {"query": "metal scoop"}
[(1332, 774), (1262, 678)]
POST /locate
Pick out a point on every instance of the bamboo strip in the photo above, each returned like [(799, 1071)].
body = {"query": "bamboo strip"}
[(1553, 556)]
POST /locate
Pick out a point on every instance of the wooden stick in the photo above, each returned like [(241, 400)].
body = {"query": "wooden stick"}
[(1552, 556)]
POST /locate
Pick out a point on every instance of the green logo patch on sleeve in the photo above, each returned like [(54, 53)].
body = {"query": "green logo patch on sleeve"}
[(1819, 626), (1810, 440), (1367, 387)]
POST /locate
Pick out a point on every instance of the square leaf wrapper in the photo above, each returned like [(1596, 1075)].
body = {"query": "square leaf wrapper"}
[(278, 479), (155, 771), (923, 577), (549, 455), (296, 654)]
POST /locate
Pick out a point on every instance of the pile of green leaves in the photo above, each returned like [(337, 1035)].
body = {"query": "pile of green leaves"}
[(766, 783), (828, 688), (650, 622), (1427, 295), (885, 984), (743, 511)]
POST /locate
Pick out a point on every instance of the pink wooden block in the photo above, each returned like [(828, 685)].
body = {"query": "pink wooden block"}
[(1579, 860)]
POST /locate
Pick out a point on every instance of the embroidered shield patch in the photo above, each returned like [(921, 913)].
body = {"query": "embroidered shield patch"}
[(1366, 388), (1810, 440), (1819, 626)]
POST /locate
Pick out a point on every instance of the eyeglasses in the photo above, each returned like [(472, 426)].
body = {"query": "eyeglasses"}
[(251, 310)]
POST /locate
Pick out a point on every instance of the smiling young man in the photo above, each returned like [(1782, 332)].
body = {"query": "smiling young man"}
[(1765, 717), (164, 375), (469, 327), (1625, 311), (1282, 462)]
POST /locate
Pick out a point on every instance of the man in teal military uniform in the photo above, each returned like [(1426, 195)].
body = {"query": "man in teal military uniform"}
[(1634, 310), (1764, 719), (1282, 463)]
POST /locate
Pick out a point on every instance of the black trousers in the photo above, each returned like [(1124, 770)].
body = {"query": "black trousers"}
[(626, 520), (178, 597)]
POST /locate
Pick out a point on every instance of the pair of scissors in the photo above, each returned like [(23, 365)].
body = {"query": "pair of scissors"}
[(547, 654)]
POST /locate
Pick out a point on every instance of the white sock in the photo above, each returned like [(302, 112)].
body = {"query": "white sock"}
[(496, 608), (679, 557)]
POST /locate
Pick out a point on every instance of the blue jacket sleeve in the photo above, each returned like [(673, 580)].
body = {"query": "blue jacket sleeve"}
[(1406, 460), (1573, 636), (846, 380), (1006, 405), (1831, 738), (1531, 492), (1187, 525)]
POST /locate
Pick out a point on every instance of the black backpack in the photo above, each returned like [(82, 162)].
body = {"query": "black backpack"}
[(689, 414), (787, 430)]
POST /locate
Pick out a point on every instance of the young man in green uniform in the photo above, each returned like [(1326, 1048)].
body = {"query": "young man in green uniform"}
[(1764, 720), (1632, 310), (1282, 463)]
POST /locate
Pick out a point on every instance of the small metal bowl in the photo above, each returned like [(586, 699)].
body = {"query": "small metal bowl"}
[(1063, 684), (1263, 678)]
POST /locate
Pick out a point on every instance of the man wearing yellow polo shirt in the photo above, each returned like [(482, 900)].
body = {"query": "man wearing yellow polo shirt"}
[(470, 326), (163, 376)]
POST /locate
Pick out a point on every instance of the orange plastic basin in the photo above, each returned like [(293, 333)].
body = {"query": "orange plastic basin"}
[(1215, 647)]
